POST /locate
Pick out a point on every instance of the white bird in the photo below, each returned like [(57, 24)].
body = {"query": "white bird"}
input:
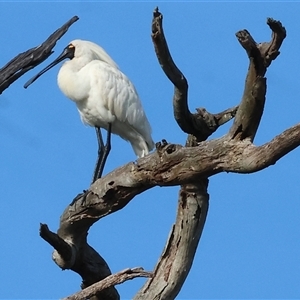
[(104, 96)]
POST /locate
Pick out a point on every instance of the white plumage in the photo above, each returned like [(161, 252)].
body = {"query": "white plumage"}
[(102, 93)]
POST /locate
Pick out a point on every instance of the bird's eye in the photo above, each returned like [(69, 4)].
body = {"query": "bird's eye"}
[(71, 46)]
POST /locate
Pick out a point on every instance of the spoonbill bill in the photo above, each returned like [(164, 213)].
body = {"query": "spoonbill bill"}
[(104, 96)]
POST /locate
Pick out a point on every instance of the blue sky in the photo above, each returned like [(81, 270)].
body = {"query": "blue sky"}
[(250, 245)]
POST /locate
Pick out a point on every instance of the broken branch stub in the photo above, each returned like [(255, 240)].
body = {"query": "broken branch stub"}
[(271, 50)]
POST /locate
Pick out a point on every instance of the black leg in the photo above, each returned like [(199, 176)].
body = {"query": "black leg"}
[(100, 141), (100, 153), (103, 151)]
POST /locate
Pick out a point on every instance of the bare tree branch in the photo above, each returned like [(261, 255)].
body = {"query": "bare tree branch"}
[(195, 124), (226, 115), (271, 50), (109, 281), (170, 165), (29, 59), (60, 245), (181, 113), (260, 55), (176, 260), (67, 256), (176, 165)]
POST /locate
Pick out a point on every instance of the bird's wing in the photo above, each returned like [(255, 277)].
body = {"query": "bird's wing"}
[(119, 97)]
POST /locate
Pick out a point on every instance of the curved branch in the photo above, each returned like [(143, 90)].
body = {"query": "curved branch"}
[(109, 281), (177, 258), (29, 59), (175, 263), (170, 165), (176, 165), (198, 124), (271, 49), (82, 259), (59, 244), (181, 111)]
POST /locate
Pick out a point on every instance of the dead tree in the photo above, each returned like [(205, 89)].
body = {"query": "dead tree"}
[(189, 166)]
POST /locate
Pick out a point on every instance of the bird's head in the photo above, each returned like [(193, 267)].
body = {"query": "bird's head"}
[(81, 50), (68, 52), (89, 51)]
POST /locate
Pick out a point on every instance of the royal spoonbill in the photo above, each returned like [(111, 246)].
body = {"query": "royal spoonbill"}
[(104, 96)]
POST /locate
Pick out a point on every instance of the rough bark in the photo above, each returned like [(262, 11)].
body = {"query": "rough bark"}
[(201, 124), (29, 59), (176, 260), (260, 55), (170, 165), (188, 166), (109, 281)]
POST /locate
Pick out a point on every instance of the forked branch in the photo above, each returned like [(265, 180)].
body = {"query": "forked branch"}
[(252, 105), (176, 260), (196, 124), (171, 165)]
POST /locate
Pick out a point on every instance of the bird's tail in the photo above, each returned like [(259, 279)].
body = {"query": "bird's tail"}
[(141, 143), (142, 147)]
